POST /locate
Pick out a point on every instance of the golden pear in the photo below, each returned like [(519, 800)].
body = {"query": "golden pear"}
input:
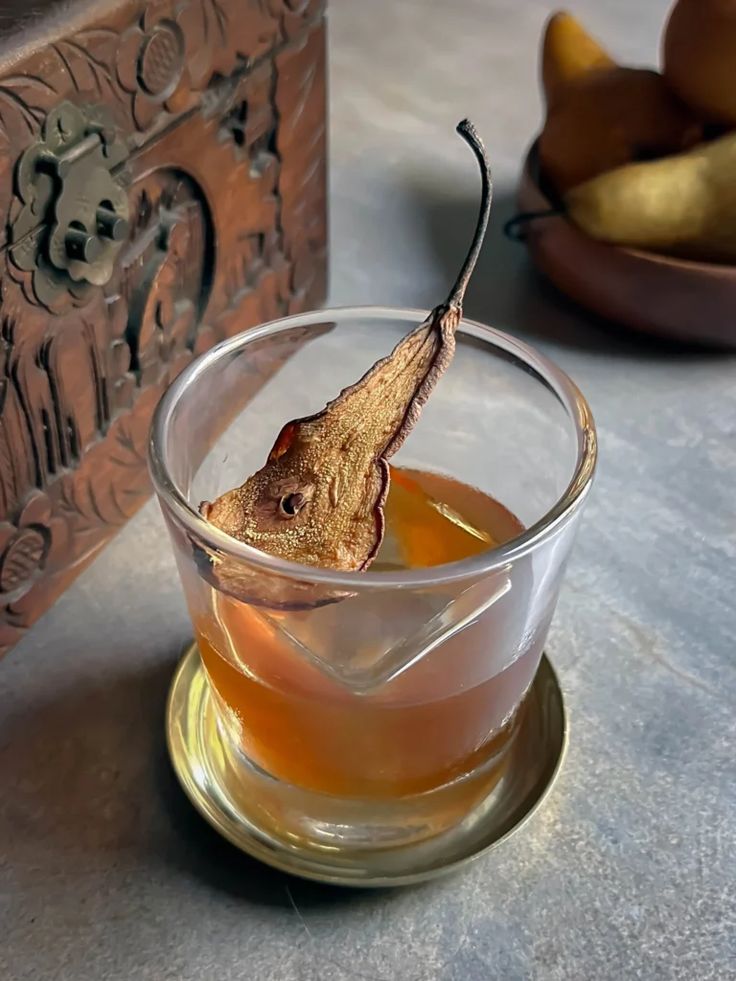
[(683, 205), (568, 52), (599, 114), (699, 56)]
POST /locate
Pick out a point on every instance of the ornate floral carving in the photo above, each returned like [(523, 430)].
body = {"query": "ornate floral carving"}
[(222, 121), (161, 59), (28, 545)]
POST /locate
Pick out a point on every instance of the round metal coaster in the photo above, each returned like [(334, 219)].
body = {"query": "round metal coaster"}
[(205, 772)]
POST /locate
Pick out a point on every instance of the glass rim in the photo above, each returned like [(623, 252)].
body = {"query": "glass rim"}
[(531, 538)]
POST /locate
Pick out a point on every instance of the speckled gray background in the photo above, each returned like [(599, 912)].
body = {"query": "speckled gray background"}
[(106, 873)]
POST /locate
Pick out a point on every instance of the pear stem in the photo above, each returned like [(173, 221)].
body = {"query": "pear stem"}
[(469, 133)]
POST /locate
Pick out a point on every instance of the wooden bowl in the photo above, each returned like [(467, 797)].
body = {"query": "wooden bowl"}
[(673, 298)]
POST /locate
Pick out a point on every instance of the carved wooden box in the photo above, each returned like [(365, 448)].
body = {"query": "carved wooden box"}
[(162, 178)]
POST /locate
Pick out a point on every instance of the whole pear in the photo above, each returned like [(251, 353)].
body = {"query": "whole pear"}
[(601, 115), (683, 205)]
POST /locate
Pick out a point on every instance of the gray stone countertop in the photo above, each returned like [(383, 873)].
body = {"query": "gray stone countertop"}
[(629, 870)]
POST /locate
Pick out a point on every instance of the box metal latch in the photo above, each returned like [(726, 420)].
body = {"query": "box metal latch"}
[(74, 215)]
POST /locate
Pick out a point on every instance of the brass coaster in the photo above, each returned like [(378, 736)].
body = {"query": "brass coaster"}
[(201, 764)]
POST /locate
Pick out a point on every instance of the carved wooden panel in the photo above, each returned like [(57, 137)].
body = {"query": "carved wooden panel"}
[(204, 120)]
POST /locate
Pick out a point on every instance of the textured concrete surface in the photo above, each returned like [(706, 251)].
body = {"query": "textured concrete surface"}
[(106, 874)]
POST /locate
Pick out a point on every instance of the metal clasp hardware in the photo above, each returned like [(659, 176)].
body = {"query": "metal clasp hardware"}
[(74, 218)]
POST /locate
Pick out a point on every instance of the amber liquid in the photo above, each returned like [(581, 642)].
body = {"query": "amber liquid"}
[(421, 731)]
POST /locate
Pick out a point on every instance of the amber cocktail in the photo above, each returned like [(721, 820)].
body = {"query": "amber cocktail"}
[(371, 709)]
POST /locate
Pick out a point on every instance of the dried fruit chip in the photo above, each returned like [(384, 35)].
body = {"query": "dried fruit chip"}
[(319, 499)]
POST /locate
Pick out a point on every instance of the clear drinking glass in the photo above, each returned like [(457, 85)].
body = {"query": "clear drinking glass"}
[(372, 709)]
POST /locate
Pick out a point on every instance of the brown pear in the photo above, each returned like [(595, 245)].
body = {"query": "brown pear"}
[(608, 118), (699, 56)]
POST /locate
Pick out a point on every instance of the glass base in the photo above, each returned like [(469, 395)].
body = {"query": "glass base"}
[(323, 821), (356, 842)]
